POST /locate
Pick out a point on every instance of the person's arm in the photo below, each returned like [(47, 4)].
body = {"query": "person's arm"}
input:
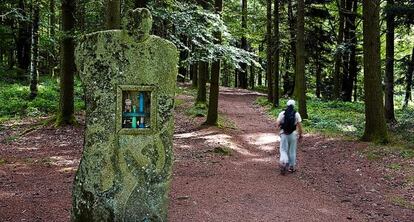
[(300, 130), (278, 126), (278, 122)]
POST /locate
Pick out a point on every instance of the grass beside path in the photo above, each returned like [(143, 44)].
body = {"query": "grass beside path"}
[(346, 119), (15, 102)]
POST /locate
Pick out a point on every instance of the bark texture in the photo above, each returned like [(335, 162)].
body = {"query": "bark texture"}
[(23, 40), (243, 72), (276, 55), (202, 80), (375, 127), (67, 72), (389, 67), (34, 75), (269, 66), (212, 115), (194, 74), (300, 86), (409, 80), (338, 55)]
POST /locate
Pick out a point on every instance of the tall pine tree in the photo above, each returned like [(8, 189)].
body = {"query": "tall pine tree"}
[(212, 115), (375, 127), (300, 86), (67, 72)]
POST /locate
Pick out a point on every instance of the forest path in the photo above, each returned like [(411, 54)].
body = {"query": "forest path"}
[(335, 180), (246, 186)]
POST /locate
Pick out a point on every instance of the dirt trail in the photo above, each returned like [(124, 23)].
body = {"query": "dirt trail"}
[(334, 181), (245, 186)]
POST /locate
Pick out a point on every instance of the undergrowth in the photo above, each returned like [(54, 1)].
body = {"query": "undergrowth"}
[(347, 119), (15, 102)]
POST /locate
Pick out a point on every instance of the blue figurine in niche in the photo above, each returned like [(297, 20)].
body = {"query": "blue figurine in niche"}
[(134, 116), (141, 110)]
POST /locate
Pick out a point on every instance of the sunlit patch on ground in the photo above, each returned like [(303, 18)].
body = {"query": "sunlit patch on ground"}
[(212, 138), (262, 141), (226, 140), (67, 169), (193, 134), (64, 161), (27, 148), (4, 194), (269, 159)]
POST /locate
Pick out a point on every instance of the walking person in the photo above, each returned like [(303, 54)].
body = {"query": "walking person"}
[(290, 130)]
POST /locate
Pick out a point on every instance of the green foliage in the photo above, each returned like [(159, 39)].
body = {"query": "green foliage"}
[(222, 151), (197, 25), (198, 110), (2, 162), (179, 102), (223, 123), (14, 99), (348, 119), (402, 202), (395, 166)]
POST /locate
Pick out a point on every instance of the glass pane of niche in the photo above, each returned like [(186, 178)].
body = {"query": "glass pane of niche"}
[(136, 109)]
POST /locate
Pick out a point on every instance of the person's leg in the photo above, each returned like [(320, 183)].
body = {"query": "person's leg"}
[(292, 140), (284, 146)]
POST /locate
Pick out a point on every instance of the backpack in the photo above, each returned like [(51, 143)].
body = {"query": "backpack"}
[(288, 124)]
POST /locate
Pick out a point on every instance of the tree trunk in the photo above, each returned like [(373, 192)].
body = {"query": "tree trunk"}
[(212, 115), (24, 39), (353, 64), (356, 88), (292, 31), (113, 14), (259, 74), (67, 64), (140, 3), (243, 71), (318, 71), (226, 78), (375, 127), (346, 85), (276, 55), (409, 80), (11, 61), (251, 78), (338, 56), (300, 86), (236, 78), (287, 87), (269, 66), (194, 74), (52, 23), (182, 71), (34, 76), (389, 67), (202, 80)]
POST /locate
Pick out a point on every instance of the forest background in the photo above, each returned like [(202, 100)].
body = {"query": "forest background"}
[(310, 50)]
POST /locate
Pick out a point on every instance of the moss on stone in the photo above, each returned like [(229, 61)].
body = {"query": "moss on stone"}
[(125, 177)]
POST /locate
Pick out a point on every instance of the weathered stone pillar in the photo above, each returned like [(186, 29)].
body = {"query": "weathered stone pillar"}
[(129, 78)]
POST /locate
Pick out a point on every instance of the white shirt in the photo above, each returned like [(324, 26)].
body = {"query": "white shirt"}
[(281, 118)]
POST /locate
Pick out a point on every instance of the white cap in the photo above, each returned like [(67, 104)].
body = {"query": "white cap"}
[(290, 102)]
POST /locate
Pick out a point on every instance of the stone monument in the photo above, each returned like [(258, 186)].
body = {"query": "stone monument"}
[(129, 78)]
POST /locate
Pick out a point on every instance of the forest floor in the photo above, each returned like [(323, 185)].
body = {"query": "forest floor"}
[(225, 173)]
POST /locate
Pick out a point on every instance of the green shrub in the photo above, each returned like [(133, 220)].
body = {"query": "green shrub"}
[(198, 110), (14, 99)]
